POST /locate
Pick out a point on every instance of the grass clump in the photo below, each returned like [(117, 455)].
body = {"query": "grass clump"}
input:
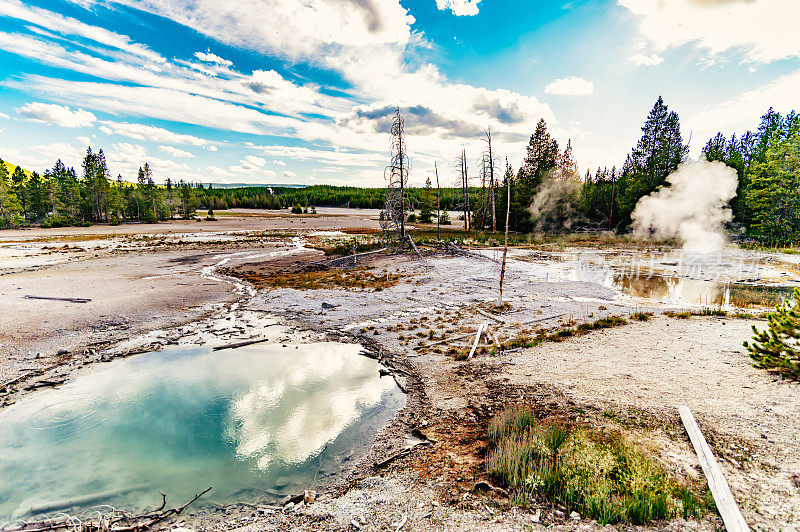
[(601, 475), (642, 316), (684, 314)]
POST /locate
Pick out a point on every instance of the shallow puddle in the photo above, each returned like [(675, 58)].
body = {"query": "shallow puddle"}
[(728, 280), (255, 423)]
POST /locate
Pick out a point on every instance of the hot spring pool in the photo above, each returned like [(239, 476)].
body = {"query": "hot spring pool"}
[(255, 423)]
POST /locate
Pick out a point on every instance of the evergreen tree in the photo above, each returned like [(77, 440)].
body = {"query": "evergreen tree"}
[(773, 190), (427, 203), (657, 154), (10, 207), (540, 159), (18, 187), (777, 348)]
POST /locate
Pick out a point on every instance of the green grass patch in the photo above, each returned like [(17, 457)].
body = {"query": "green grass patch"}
[(602, 475)]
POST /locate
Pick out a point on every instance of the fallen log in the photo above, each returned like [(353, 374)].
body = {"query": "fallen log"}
[(67, 299), (544, 319), (331, 262), (240, 344), (488, 315), (414, 247), (451, 339)]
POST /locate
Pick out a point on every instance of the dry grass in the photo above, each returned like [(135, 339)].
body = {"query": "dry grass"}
[(350, 279)]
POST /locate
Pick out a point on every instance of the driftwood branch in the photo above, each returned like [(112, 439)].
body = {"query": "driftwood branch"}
[(115, 521), (67, 299)]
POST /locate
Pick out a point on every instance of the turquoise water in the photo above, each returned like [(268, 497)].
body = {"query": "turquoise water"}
[(255, 423)]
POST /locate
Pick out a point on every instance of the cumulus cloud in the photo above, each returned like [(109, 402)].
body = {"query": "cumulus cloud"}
[(459, 7), (570, 86), (3, 115), (255, 161), (762, 31), (175, 152), (60, 115), (287, 173), (208, 57)]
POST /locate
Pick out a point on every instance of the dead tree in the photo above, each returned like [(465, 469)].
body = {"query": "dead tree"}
[(463, 183), (489, 163), (438, 201), (393, 217), (505, 247)]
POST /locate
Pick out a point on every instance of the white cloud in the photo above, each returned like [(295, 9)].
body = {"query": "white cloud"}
[(211, 148), (287, 27), (40, 157), (570, 86), (84, 141), (70, 26), (278, 162), (61, 115), (764, 30), (3, 115), (151, 133), (175, 152), (255, 161), (125, 158), (459, 7), (646, 60), (208, 57), (287, 173), (367, 42)]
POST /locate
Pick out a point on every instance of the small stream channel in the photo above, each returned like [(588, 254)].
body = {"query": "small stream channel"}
[(255, 423)]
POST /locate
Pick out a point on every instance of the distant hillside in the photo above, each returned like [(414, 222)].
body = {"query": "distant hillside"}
[(251, 185), (12, 167)]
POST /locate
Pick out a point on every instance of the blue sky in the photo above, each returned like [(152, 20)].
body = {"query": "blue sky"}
[(301, 91)]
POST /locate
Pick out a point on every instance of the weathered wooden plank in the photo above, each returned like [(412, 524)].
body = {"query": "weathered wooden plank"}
[(726, 504), (478, 335)]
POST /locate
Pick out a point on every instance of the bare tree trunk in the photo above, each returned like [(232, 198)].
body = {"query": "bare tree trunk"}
[(491, 179), (505, 248), (438, 201), (611, 207), (465, 189)]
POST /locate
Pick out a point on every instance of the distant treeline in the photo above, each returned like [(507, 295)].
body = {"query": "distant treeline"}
[(277, 197), (547, 192)]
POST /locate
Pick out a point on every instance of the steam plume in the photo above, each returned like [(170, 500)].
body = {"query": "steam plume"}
[(693, 209)]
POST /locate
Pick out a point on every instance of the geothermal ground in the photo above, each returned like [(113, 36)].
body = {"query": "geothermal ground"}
[(251, 272)]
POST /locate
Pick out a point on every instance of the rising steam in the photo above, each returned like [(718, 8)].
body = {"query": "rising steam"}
[(693, 209)]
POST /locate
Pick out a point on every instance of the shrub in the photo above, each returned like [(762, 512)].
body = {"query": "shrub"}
[(777, 347), (411, 218), (297, 209)]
